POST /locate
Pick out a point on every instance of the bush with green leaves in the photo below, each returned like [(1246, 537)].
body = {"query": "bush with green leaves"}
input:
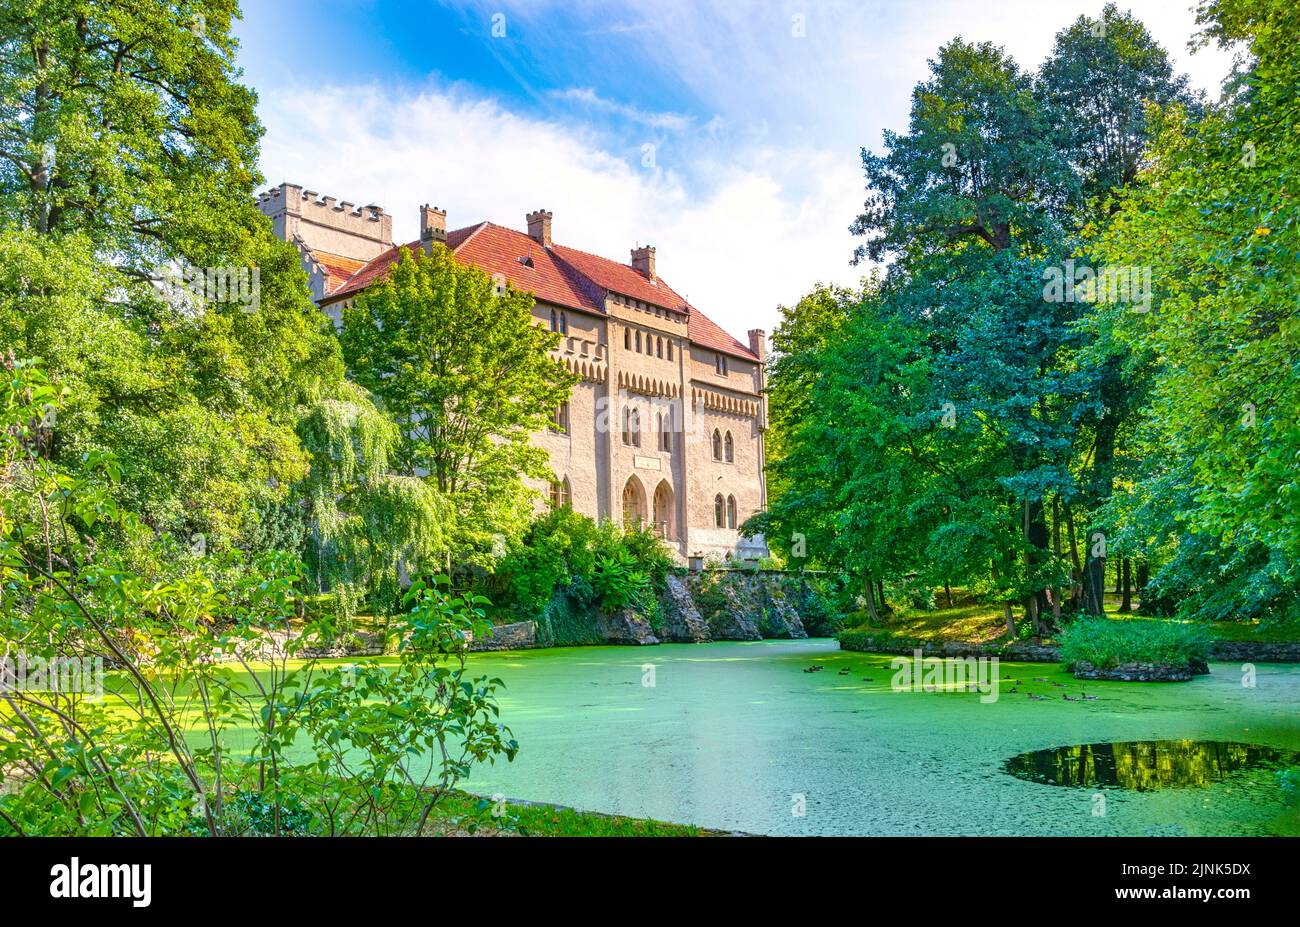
[(596, 566), (1107, 642), (617, 580), (209, 718), (815, 606)]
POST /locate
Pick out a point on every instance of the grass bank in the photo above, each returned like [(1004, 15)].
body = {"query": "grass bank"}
[(464, 815), (984, 623)]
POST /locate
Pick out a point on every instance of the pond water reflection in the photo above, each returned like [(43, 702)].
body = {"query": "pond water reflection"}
[(1146, 765)]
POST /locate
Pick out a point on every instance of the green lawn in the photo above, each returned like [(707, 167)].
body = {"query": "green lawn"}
[(983, 623), (977, 624), (462, 815)]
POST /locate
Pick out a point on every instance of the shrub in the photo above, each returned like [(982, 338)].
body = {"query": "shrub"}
[(1106, 642), (710, 599), (600, 565), (208, 721), (820, 619), (617, 580), (913, 591), (556, 547)]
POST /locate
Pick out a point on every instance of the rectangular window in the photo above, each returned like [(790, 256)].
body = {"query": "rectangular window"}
[(560, 419)]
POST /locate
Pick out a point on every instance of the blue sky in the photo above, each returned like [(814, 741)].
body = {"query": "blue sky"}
[(726, 134)]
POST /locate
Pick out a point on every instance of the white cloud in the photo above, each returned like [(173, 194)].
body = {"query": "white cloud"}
[(750, 192), (762, 232), (587, 96)]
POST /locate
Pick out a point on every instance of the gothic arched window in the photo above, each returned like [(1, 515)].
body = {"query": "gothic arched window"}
[(717, 511), (717, 445), (731, 511), (728, 448)]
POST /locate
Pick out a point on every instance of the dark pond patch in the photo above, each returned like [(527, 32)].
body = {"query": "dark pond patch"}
[(1146, 765)]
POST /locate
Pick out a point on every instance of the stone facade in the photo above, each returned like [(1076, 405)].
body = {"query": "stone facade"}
[(666, 425)]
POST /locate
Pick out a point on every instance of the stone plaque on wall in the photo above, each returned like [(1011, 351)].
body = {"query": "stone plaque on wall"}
[(647, 463)]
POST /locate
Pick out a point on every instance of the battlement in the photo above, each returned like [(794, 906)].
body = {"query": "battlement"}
[(324, 223)]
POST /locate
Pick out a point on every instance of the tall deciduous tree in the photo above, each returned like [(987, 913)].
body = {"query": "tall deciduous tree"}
[(1215, 218), (972, 201), (1098, 85), (978, 162), (461, 364), (128, 151), (367, 527), (124, 120)]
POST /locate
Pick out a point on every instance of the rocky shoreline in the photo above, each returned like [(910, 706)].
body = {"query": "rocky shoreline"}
[(694, 608)]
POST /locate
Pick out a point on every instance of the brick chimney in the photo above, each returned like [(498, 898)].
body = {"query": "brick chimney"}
[(433, 224), (758, 343), (643, 261), (539, 227)]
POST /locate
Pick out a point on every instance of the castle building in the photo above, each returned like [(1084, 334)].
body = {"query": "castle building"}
[(665, 425)]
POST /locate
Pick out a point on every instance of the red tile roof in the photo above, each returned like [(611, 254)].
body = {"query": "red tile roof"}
[(338, 269), (500, 250), (375, 269), (708, 334), (559, 275), (621, 278)]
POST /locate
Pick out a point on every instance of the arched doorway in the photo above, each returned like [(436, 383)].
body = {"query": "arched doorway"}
[(634, 512), (665, 523)]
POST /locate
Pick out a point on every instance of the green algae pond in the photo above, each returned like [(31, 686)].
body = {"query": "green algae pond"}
[(737, 736)]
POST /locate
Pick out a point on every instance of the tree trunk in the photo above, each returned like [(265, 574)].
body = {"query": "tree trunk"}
[(1056, 552), (1126, 605), (880, 588), (1036, 539), (871, 602), (1143, 574), (1011, 621), (1076, 571), (947, 593), (1094, 581)]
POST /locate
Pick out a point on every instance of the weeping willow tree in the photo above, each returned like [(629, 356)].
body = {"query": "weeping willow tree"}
[(368, 529)]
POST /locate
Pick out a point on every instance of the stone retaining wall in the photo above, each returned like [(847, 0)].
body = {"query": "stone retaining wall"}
[(1140, 672), (1254, 652), (520, 635), (1020, 651)]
